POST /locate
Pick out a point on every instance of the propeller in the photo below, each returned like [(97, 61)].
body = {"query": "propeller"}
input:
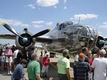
[(41, 33), (10, 29), (25, 39)]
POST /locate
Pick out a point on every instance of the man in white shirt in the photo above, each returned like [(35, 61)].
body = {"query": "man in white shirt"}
[(15, 56), (100, 65)]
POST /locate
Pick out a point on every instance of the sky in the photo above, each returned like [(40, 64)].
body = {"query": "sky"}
[(38, 15)]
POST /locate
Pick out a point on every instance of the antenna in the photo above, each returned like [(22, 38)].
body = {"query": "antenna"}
[(78, 20)]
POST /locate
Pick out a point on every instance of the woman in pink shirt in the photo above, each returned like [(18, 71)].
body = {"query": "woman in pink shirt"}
[(9, 59)]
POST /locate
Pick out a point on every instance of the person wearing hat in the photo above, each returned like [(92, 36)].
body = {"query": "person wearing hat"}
[(63, 66), (100, 66), (81, 68)]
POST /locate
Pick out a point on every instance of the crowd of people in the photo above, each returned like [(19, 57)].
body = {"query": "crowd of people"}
[(88, 65), (6, 59), (13, 61)]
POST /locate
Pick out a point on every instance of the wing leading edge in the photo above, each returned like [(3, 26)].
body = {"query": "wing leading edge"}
[(49, 40), (7, 36), (38, 39)]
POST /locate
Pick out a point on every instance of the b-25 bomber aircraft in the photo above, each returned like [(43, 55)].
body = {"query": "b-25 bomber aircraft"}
[(76, 36), (64, 35)]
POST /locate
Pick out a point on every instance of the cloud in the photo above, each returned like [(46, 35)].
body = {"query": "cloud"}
[(31, 6), (13, 22), (84, 16), (36, 24), (41, 23), (65, 1), (103, 25), (55, 6), (49, 23), (102, 29), (47, 3), (65, 7), (102, 33)]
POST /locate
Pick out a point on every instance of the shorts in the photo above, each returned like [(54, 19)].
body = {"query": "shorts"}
[(9, 59), (44, 69)]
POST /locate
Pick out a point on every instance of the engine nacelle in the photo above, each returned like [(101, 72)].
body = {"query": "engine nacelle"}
[(100, 42), (24, 40)]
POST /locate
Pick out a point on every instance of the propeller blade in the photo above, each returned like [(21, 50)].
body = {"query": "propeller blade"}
[(41, 33), (10, 29)]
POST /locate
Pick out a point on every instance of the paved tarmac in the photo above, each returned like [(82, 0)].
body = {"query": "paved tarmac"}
[(4, 76), (52, 73)]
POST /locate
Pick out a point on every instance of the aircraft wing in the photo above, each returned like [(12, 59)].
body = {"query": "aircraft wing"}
[(49, 40), (42, 39), (7, 36)]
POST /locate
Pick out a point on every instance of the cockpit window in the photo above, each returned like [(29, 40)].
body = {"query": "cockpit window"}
[(61, 26)]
